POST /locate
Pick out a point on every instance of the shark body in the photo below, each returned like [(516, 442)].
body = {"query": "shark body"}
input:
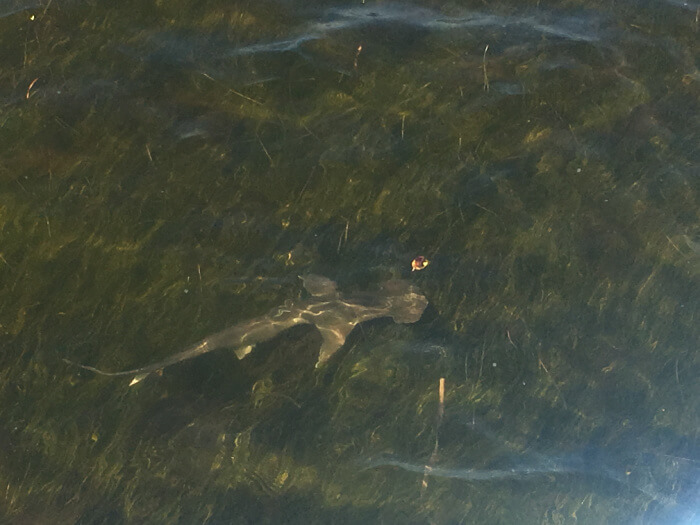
[(334, 316)]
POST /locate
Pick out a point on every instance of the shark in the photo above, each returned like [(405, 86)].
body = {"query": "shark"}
[(334, 315)]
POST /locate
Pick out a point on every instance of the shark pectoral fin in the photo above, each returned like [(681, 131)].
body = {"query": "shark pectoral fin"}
[(243, 351), (333, 339)]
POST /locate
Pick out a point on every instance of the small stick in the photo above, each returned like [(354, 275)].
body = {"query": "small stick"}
[(681, 458), (357, 54), (303, 188), (434, 455), (272, 162), (486, 77), (509, 339), (47, 7), (344, 235), (148, 152), (30, 87), (674, 244), (487, 210), (678, 382), (461, 214), (481, 366), (553, 381), (677, 379), (246, 97)]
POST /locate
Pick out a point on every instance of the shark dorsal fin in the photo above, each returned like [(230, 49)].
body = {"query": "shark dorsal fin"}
[(320, 286)]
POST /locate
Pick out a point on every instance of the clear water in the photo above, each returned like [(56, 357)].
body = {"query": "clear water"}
[(168, 169)]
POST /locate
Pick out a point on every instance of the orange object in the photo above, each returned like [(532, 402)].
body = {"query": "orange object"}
[(419, 263)]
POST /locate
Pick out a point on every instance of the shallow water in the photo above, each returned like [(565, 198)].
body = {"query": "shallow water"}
[(169, 169)]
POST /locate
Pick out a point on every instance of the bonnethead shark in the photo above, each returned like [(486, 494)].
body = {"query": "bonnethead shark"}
[(333, 315)]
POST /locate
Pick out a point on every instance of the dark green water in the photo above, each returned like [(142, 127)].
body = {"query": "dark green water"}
[(176, 165)]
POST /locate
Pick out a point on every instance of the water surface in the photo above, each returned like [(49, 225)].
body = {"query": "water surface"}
[(168, 169)]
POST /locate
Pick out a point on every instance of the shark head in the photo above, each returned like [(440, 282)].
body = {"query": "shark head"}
[(406, 304)]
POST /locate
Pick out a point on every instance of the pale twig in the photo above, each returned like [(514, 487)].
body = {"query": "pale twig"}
[(434, 455), (680, 458), (509, 339), (65, 125), (22, 186), (461, 214), (357, 55), (272, 162), (344, 235), (481, 365), (303, 188), (246, 97), (310, 132), (674, 244), (487, 210), (541, 364), (486, 77), (30, 87)]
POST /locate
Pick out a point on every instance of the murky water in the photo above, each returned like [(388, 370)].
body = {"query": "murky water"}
[(168, 169)]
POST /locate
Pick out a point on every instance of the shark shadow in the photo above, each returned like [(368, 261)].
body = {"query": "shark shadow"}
[(333, 315)]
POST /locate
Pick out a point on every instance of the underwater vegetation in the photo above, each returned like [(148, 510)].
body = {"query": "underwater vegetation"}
[(169, 169)]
